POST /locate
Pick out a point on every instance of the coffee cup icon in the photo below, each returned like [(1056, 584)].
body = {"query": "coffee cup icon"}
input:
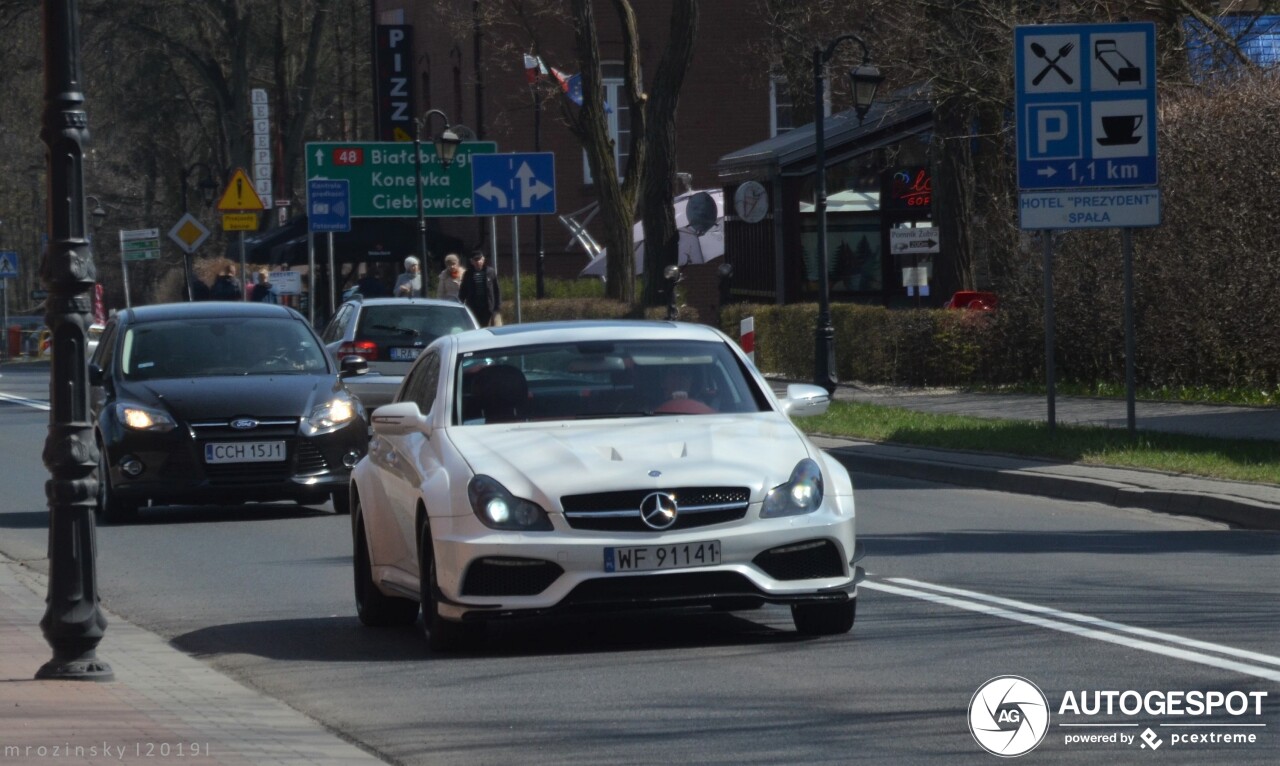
[(1120, 129)]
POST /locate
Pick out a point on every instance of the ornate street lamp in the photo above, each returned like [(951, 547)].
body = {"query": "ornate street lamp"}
[(73, 621), (866, 78), (446, 142), (674, 277)]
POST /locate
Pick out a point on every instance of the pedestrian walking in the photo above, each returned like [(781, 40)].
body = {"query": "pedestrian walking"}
[(480, 292), (226, 287), (263, 291), (409, 283), (450, 278)]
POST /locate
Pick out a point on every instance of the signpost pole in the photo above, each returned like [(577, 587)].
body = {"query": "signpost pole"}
[(493, 242), (1046, 237), (515, 257), (244, 273), (124, 271), (1130, 350), (311, 278), (333, 282)]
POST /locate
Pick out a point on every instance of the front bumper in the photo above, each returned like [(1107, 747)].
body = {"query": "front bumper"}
[(174, 470), (808, 559)]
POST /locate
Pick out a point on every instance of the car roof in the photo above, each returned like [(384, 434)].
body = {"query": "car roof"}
[(415, 301), (536, 333), (205, 310)]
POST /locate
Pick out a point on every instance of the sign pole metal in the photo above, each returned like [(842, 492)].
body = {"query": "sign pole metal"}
[(1047, 237), (244, 273), (515, 256), (1130, 347), (332, 277), (124, 272), (311, 278)]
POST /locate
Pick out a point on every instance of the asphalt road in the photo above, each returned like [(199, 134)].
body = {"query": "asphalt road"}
[(965, 585)]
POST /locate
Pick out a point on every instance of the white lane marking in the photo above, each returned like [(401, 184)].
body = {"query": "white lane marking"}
[(32, 403), (1078, 630), (1097, 622)]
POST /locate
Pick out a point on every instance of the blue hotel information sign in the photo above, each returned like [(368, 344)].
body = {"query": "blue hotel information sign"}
[(1085, 99)]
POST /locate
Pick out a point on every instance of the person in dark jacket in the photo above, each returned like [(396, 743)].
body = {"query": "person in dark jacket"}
[(480, 292), (226, 287), (263, 290)]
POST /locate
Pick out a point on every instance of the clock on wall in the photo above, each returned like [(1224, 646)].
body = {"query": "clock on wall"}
[(751, 201)]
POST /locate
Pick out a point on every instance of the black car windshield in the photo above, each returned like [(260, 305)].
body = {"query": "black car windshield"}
[(199, 348), (602, 379), (390, 324)]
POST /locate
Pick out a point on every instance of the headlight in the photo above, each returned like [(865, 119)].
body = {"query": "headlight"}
[(499, 509), (801, 494), (328, 417), (139, 418)]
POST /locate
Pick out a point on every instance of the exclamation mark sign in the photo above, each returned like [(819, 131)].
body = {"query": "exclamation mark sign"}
[(239, 190)]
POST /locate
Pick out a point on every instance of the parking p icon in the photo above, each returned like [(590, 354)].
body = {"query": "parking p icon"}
[(1055, 131)]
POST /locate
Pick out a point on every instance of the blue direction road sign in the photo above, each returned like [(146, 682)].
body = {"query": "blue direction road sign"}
[(514, 184), (328, 205), (1085, 99), (8, 264)]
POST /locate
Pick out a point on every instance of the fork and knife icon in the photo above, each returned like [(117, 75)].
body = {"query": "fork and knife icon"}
[(1052, 65)]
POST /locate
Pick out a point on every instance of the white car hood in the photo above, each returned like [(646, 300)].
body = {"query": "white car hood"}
[(543, 462)]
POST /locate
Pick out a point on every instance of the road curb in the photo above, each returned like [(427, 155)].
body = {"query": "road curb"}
[(961, 469)]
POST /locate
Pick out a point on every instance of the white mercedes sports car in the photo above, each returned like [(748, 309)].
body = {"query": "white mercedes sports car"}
[(538, 468)]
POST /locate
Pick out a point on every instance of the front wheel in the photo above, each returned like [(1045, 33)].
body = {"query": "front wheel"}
[(111, 508), (341, 499), (824, 619), (442, 635)]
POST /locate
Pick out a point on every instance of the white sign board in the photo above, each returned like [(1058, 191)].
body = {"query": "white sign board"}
[(286, 282), (1090, 208), (919, 241)]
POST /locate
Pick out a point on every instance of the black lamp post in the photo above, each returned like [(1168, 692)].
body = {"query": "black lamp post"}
[(73, 621), (446, 142), (866, 78), (208, 190)]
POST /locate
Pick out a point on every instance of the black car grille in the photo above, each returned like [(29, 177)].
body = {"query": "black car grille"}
[(659, 589), (237, 473), (509, 577), (303, 455), (267, 428), (309, 461), (620, 511), (808, 560)]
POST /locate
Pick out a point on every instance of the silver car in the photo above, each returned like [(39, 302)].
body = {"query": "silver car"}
[(389, 333)]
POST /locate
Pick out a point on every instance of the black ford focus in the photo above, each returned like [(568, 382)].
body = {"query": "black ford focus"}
[(220, 402)]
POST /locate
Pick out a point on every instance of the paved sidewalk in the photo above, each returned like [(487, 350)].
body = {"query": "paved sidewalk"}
[(1255, 506), (164, 707)]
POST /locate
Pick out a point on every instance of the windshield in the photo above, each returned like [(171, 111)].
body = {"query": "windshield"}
[(198, 348), (401, 323), (602, 379)]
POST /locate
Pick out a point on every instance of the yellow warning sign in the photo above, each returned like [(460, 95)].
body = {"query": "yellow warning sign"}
[(240, 195), (239, 221), (400, 134)]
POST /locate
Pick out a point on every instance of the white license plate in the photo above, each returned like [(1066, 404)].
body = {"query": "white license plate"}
[(404, 354), (646, 558), (244, 452)]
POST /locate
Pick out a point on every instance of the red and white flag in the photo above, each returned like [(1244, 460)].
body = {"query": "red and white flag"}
[(534, 68)]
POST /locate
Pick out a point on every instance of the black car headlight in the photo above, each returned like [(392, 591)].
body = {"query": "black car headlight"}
[(329, 417), (499, 509), (801, 494), (135, 417)]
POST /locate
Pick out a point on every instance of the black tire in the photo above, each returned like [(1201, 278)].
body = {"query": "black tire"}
[(442, 635), (824, 619), (341, 499), (111, 508), (375, 609)]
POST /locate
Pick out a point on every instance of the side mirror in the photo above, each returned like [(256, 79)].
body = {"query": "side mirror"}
[(96, 375), (398, 419), (353, 365), (805, 400)]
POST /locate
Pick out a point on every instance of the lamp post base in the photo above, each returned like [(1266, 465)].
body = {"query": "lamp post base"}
[(76, 669), (824, 357)]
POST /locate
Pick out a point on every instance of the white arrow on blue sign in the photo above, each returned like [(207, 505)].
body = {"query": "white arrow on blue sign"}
[(514, 184), (328, 205), (8, 264)]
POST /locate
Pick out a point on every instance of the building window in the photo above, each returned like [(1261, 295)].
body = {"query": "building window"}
[(782, 116), (612, 75)]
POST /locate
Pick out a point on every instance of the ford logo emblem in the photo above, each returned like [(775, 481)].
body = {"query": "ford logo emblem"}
[(244, 424)]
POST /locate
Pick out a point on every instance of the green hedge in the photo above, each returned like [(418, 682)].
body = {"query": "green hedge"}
[(555, 309)]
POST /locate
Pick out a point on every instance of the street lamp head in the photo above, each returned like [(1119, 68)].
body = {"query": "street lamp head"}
[(866, 79), (447, 143), (208, 189), (98, 213), (671, 272)]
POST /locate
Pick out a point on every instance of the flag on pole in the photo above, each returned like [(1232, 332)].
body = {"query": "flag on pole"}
[(535, 68)]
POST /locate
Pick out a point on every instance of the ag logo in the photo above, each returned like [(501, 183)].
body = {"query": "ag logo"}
[(1008, 716)]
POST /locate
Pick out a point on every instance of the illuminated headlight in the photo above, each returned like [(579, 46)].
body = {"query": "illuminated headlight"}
[(328, 417), (140, 418), (801, 494), (499, 509)]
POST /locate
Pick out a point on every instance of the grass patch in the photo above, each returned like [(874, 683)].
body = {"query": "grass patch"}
[(1228, 459), (1251, 397)]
